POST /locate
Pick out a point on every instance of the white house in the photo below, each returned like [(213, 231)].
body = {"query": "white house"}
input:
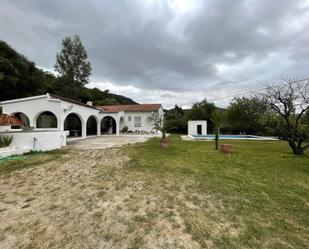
[(197, 127), (52, 112), (135, 117), (48, 119)]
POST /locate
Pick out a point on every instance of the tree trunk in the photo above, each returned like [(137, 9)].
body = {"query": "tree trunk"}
[(297, 150)]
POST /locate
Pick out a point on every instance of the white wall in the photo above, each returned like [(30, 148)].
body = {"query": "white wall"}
[(33, 108), (146, 125), (83, 112), (192, 127), (5, 128), (45, 140)]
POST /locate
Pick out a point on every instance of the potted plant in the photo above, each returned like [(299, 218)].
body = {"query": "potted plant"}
[(226, 148), (164, 142), (125, 129)]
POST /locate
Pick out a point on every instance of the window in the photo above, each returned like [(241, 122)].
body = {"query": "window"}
[(137, 121), (129, 118)]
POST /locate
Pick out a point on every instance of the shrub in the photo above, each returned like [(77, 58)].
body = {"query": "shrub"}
[(5, 140), (125, 129)]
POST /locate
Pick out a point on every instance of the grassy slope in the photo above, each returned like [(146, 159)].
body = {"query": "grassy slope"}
[(257, 198)]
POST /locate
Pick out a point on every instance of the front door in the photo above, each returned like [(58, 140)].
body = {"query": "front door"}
[(199, 129)]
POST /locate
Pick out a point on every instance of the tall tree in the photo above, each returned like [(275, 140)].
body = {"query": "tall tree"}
[(289, 98), (202, 111), (246, 114), (176, 120), (72, 62), (20, 78)]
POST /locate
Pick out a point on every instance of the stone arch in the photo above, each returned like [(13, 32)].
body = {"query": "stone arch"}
[(108, 125), (23, 117), (91, 125), (74, 124), (46, 119)]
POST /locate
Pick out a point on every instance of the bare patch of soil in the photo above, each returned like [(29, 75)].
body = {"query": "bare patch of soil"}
[(93, 199)]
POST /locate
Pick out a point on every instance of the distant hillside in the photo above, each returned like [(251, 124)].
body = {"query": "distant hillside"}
[(20, 78)]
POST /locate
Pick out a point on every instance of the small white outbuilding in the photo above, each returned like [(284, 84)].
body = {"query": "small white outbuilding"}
[(197, 127)]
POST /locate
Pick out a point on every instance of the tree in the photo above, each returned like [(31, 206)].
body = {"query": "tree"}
[(20, 78), (158, 123), (247, 114), (176, 120), (289, 98), (18, 75), (202, 111), (72, 62)]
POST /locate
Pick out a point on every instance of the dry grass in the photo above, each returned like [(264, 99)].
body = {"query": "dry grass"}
[(189, 196), (87, 199)]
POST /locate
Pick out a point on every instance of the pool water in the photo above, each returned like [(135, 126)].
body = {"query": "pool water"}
[(238, 137)]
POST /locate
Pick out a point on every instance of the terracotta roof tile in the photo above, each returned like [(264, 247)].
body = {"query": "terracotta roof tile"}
[(130, 108), (7, 120)]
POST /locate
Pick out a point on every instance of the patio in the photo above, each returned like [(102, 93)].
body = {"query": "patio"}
[(106, 141)]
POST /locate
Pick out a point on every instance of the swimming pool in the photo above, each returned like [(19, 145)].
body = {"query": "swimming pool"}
[(232, 137)]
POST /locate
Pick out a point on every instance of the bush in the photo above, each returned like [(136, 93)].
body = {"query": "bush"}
[(125, 129), (5, 140)]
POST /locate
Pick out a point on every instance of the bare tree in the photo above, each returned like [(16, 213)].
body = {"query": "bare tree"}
[(289, 98), (158, 123)]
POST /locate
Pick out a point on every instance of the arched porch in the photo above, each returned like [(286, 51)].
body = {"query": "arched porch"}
[(74, 124)]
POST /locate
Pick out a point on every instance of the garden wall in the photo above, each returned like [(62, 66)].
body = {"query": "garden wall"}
[(38, 140)]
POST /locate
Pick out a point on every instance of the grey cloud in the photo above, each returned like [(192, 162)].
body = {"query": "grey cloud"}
[(220, 44)]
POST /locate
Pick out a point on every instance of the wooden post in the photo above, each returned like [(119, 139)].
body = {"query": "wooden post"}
[(217, 138)]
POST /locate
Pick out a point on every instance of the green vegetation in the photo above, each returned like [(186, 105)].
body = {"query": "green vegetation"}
[(256, 198), (246, 114), (282, 110), (19, 78), (31, 159), (173, 198), (5, 140), (72, 62)]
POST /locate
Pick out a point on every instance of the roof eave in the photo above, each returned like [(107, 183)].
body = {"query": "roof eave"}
[(23, 99)]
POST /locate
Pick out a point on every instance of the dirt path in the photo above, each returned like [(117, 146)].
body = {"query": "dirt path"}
[(87, 199), (107, 141)]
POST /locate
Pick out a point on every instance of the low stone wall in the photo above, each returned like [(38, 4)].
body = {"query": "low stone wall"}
[(38, 140)]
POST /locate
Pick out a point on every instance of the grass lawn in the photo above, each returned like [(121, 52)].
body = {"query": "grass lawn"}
[(140, 196), (256, 198)]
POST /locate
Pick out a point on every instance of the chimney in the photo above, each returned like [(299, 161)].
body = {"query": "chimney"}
[(89, 103)]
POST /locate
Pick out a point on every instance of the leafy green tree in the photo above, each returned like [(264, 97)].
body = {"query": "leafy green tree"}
[(18, 76), (247, 114), (218, 118), (175, 120), (72, 62), (202, 111)]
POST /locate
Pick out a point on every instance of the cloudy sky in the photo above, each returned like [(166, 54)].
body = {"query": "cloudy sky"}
[(172, 51)]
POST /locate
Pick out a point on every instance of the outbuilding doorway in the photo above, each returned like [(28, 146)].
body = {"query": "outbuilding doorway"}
[(199, 129)]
